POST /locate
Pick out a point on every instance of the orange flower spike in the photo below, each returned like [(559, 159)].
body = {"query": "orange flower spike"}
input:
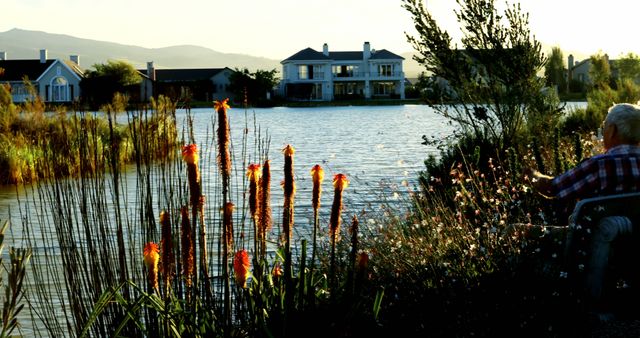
[(253, 172), (224, 104), (340, 181), (151, 255), (317, 175), (277, 271), (190, 154), (227, 219), (288, 150), (241, 267), (151, 259)]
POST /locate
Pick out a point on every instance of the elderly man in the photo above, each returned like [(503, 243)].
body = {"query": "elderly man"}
[(615, 171)]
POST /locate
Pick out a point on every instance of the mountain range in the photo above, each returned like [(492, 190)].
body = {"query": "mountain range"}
[(26, 44)]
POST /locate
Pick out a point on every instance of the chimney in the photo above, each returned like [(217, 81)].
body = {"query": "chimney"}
[(367, 50), (571, 62), (75, 59), (325, 49), (43, 56), (3, 56), (151, 71)]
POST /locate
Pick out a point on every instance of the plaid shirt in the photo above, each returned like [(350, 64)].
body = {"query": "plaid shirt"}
[(615, 171)]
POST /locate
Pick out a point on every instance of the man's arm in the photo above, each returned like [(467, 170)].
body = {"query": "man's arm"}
[(540, 182)]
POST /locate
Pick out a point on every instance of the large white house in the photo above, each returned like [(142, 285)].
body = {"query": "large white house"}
[(327, 75), (54, 80)]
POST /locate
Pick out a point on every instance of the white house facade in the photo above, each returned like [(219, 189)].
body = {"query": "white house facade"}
[(327, 76), (54, 80)]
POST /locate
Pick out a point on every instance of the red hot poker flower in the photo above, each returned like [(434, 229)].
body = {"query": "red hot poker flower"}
[(224, 104), (317, 175), (151, 259), (241, 267), (190, 154)]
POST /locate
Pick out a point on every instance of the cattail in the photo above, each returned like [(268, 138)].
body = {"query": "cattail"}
[(340, 183), (168, 259), (151, 258), (264, 200), (188, 247), (241, 267), (228, 223), (190, 156), (224, 156), (317, 175), (253, 173), (289, 191)]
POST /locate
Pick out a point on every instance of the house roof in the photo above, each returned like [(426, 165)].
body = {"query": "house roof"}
[(307, 54), (16, 70), (385, 54), (312, 54), (187, 74)]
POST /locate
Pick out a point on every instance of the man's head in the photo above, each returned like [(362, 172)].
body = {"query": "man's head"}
[(622, 125)]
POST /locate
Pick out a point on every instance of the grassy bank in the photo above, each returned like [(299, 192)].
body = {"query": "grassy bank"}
[(35, 144)]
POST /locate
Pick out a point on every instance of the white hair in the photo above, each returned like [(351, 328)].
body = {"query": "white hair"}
[(626, 118)]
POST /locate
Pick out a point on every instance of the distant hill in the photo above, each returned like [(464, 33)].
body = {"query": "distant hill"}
[(25, 44)]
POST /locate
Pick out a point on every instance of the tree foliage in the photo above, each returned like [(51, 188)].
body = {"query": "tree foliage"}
[(600, 71), (116, 76), (628, 67), (493, 78), (555, 71), (257, 86)]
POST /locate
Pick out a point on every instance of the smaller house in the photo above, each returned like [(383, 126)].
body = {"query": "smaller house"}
[(200, 84), (54, 80)]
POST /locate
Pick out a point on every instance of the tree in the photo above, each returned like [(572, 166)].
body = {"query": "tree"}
[(628, 67), (493, 78), (257, 86), (554, 70), (600, 71), (100, 85)]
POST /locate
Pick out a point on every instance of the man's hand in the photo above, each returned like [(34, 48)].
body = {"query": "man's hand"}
[(539, 181)]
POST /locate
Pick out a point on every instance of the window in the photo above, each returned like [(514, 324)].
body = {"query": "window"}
[(385, 70), (59, 89), (383, 88), (316, 94), (344, 70), (317, 73), (303, 72)]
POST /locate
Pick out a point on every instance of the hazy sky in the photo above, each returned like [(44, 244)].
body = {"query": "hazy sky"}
[(278, 28)]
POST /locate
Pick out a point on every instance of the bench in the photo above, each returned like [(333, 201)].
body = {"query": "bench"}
[(602, 224)]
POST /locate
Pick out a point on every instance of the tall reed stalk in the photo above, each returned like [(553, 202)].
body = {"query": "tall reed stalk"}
[(340, 183), (224, 160), (317, 176)]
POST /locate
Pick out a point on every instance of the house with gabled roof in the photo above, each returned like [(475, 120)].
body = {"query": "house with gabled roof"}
[(54, 80), (332, 75), (203, 84)]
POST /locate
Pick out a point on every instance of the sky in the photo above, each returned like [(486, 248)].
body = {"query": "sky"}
[(278, 28)]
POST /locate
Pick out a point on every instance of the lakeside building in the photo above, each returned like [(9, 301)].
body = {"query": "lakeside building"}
[(54, 80), (334, 75), (201, 84)]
